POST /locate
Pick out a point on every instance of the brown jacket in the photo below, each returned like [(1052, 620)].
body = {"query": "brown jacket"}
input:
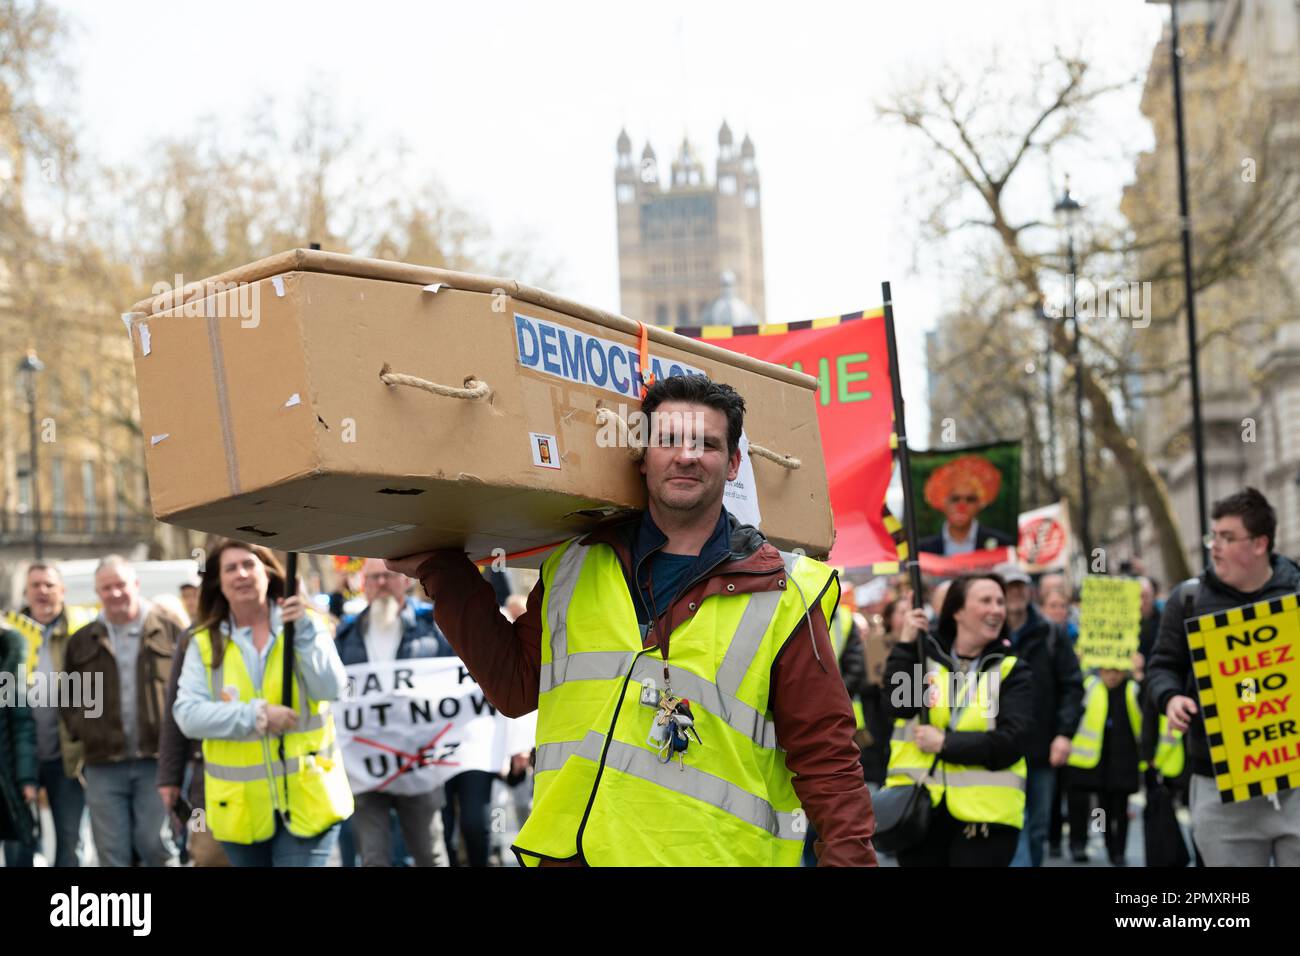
[(810, 706), (90, 652)]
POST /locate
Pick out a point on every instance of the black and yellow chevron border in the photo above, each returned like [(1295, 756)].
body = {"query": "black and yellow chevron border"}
[(1196, 628), (774, 328), (31, 631)]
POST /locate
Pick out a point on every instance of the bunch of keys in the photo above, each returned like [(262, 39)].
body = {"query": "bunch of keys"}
[(672, 729)]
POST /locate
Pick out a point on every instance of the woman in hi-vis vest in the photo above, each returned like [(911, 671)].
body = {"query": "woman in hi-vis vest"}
[(970, 751), (276, 788)]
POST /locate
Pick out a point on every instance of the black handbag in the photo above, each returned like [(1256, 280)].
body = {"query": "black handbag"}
[(902, 815)]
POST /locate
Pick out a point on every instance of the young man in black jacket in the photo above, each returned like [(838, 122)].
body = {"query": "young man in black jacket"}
[(1058, 705), (1243, 570)]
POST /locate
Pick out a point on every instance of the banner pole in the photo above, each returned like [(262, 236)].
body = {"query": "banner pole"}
[(904, 460), (287, 664)]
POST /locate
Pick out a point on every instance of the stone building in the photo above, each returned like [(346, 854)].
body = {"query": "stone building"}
[(1241, 92), (676, 239)]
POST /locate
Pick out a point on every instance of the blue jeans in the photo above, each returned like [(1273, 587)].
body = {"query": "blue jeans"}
[(126, 813), (1040, 791), (67, 806), (284, 849)]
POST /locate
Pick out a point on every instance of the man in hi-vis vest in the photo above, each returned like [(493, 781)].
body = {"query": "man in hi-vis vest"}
[(690, 707)]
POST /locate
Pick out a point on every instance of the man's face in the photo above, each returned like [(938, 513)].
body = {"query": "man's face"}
[(686, 465), (1017, 599), (961, 506), (119, 593), (44, 594), (379, 581), (1148, 598), (190, 598), (1239, 559)]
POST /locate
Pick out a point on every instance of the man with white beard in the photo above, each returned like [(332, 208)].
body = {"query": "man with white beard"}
[(394, 627)]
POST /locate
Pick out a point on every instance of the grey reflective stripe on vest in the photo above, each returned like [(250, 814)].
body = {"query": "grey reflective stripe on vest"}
[(754, 622), (258, 771), (907, 732), (984, 778), (216, 675), (560, 595), (963, 778), (738, 715), (590, 665), (684, 779), (552, 756), (919, 774)]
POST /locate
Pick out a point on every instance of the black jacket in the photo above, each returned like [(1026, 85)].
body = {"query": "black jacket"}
[(1058, 684), (995, 749), (1169, 671)]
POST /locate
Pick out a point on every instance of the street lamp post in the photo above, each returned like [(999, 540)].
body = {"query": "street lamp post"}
[(27, 369), (1068, 210), (1051, 407)]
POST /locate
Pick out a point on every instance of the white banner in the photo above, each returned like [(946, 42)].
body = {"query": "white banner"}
[(408, 726)]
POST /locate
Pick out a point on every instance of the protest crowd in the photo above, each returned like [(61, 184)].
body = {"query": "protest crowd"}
[(993, 719)]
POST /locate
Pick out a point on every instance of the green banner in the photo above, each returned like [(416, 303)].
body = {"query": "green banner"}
[(975, 489)]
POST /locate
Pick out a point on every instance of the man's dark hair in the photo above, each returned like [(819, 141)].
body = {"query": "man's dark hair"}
[(700, 390), (1253, 509)]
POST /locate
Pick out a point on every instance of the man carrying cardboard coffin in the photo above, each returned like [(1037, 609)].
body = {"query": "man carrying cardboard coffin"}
[(689, 701)]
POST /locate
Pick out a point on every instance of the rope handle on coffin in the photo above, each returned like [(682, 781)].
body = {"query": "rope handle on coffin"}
[(473, 389)]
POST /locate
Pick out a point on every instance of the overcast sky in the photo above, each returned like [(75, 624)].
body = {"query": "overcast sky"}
[(516, 108)]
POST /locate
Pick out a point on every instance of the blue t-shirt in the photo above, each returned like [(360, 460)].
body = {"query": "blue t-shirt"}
[(668, 572)]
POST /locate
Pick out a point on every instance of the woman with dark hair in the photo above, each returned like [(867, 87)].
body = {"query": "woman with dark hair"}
[(968, 745), (274, 781)]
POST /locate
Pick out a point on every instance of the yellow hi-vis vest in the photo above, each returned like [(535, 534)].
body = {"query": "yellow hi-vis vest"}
[(841, 626), (1170, 753), (1085, 748), (245, 782), (974, 794), (601, 793)]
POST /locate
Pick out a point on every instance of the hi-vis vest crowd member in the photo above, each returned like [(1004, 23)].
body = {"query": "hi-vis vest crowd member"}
[(690, 707), (1085, 749), (981, 706), (47, 624), (1105, 762), (267, 806)]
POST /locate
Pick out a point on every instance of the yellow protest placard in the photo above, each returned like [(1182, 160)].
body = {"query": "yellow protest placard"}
[(1110, 616), (30, 630), (1247, 664)]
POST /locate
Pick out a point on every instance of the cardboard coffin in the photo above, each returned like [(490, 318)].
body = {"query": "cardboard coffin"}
[(266, 418)]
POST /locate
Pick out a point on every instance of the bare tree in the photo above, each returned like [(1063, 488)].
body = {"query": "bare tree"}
[(993, 151)]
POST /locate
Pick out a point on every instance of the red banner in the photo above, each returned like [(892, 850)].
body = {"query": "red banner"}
[(848, 356)]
